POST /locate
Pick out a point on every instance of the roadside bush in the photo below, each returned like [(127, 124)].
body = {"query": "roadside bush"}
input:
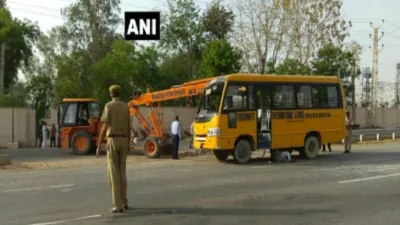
[(8, 101)]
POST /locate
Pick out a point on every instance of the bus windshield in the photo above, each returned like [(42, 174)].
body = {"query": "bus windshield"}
[(211, 98)]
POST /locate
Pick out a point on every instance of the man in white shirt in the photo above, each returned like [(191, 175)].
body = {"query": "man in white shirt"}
[(44, 135), (347, 141), (176, 136)]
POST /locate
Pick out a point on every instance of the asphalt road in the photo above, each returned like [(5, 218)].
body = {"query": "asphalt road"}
[(359, 188)]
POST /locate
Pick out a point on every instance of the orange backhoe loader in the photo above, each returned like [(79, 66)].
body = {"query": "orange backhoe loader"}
[(80, 126)]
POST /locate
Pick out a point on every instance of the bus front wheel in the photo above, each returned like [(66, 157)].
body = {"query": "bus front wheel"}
[(311, 148), (221, 155), (242, 152)]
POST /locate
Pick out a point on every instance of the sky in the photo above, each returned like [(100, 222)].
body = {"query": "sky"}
[(360, 12)]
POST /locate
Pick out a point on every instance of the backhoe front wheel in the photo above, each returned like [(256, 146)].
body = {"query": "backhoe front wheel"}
[(81, 143), (152, 148)]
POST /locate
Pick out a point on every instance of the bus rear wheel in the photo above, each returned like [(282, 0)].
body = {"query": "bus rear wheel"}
[(221, 155), (311, 148), (242, 152)]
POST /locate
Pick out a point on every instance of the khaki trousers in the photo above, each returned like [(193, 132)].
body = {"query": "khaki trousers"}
[(117, 152)]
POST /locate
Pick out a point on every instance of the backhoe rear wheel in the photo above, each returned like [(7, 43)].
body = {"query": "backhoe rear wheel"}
[(82, 143), (152, 148)]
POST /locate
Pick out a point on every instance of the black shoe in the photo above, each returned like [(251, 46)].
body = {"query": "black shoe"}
[(125, 207), (347, 151), (115, 210)]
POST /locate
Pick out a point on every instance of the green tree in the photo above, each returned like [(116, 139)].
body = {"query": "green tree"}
[(220, 57), (72, 75), (84, 39), (3, 4), (19, 38), (217, 20), (147, 60), (292, 67), (117, 67), (183, 34), (332, 60)]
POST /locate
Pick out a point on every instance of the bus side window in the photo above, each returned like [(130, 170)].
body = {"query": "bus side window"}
[(304, 96), (251, 95), (325, 96), (283, 97)]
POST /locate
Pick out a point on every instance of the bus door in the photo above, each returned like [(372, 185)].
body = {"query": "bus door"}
[(239, 106), (263, 95)]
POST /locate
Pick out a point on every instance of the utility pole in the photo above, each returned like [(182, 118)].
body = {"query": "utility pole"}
[(2, 66), (353, 93), (375, 52), (398, 85)]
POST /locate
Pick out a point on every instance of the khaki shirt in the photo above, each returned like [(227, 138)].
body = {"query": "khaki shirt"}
[(117, 117)]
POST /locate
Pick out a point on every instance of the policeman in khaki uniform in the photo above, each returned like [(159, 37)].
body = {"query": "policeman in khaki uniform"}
[(116, 128)]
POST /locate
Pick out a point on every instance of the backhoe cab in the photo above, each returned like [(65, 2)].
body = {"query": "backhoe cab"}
[(79, 123)]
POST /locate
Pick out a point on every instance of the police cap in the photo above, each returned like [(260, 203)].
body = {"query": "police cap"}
[(115, 88)]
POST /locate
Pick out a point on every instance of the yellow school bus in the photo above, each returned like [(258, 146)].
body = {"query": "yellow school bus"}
[(241, 113)]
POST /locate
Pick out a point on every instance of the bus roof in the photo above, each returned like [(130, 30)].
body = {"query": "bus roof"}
[(279, 78), (79, 100)]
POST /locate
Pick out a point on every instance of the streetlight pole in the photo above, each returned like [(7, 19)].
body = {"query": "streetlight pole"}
[(12, 115)]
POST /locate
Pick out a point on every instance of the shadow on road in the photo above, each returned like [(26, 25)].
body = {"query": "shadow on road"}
[(215, 212), (334, 158)]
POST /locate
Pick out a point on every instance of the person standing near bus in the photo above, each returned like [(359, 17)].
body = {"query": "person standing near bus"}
[(53, 135), (347, 141), (44, 134), (192, 134), (324, 147), (176, 136)]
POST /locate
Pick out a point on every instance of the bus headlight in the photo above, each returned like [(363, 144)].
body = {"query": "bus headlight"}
[(213, 132)]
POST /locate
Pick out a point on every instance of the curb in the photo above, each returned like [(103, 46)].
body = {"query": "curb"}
[(5, 160), (372, 142)]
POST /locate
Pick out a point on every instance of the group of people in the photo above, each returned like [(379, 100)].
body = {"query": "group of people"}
[(347, 140), (44, 133), (117, 129)]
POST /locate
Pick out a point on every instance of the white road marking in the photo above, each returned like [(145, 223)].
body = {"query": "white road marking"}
[(22, 189), (368, 178), (42, 171), (37, 188), (61, 186), (66, 190), (70, 220), (338, 168)]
